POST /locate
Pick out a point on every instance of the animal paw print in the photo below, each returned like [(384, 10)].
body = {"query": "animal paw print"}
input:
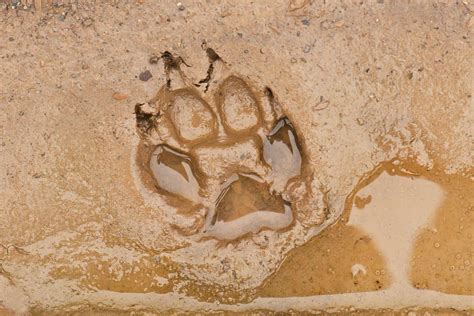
[(224, 159)]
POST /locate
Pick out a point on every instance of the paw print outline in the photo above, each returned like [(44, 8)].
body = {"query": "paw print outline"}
[(223, 155)]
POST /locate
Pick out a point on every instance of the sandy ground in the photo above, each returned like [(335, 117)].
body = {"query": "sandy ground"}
[(363, 83)]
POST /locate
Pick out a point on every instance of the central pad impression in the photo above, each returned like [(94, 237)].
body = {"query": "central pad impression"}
[(247, 206)]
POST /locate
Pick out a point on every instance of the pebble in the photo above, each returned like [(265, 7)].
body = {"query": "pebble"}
[(180, 6), (357, 269), (307, 48), (360, 121), (145, 76), (87, 22), (339, 23), (153, 59), (119, 96)]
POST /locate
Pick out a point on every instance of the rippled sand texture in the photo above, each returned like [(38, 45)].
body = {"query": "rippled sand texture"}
[(250, 156)]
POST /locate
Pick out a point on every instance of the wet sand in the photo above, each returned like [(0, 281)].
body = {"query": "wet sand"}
[(319, 158)]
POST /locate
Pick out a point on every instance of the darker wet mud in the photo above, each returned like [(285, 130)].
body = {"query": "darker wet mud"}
[(329, 263)]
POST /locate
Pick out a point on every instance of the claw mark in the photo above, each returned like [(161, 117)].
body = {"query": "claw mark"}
[(145, 120), (171, 62), (213, 57)]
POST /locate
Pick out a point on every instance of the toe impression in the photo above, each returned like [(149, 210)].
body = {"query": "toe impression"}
[(174, 172), (191, 116), (238, 107), (282, 152)]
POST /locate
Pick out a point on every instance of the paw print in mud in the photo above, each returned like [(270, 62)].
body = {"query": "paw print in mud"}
[(223, 157)]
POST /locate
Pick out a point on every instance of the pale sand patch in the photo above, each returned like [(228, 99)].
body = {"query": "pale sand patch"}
[(399, 207)]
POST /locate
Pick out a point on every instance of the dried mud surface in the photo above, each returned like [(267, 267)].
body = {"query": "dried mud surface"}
[(372, 89)]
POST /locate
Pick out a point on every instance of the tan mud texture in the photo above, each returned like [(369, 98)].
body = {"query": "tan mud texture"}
[(236, 157)]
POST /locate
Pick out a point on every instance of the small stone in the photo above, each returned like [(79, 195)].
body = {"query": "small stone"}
[(339, 23), (119, 96), (153, 59), (305, 22), (145, 76), (321, 105), (307, 48), (357, 269), (87, 22), (180, 6)]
